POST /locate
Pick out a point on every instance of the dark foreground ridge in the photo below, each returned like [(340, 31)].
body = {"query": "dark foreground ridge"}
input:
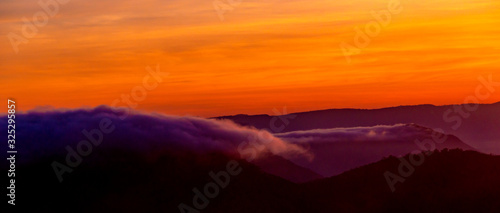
[(448, 181)]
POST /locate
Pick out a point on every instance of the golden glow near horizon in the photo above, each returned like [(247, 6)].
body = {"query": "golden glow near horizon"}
[(263, 55)]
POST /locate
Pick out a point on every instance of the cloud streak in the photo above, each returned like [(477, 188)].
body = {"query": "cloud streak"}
[(375, 133)]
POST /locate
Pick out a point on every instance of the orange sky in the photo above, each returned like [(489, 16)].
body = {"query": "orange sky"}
[(263, 55)]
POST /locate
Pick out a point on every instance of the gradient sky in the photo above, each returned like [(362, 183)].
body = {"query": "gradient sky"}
[(263, 55)]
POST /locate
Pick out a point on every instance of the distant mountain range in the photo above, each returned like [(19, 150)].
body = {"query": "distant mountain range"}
[(477, 126)]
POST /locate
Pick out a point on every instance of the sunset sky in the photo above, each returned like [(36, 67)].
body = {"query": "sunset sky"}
[(262, 55)]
